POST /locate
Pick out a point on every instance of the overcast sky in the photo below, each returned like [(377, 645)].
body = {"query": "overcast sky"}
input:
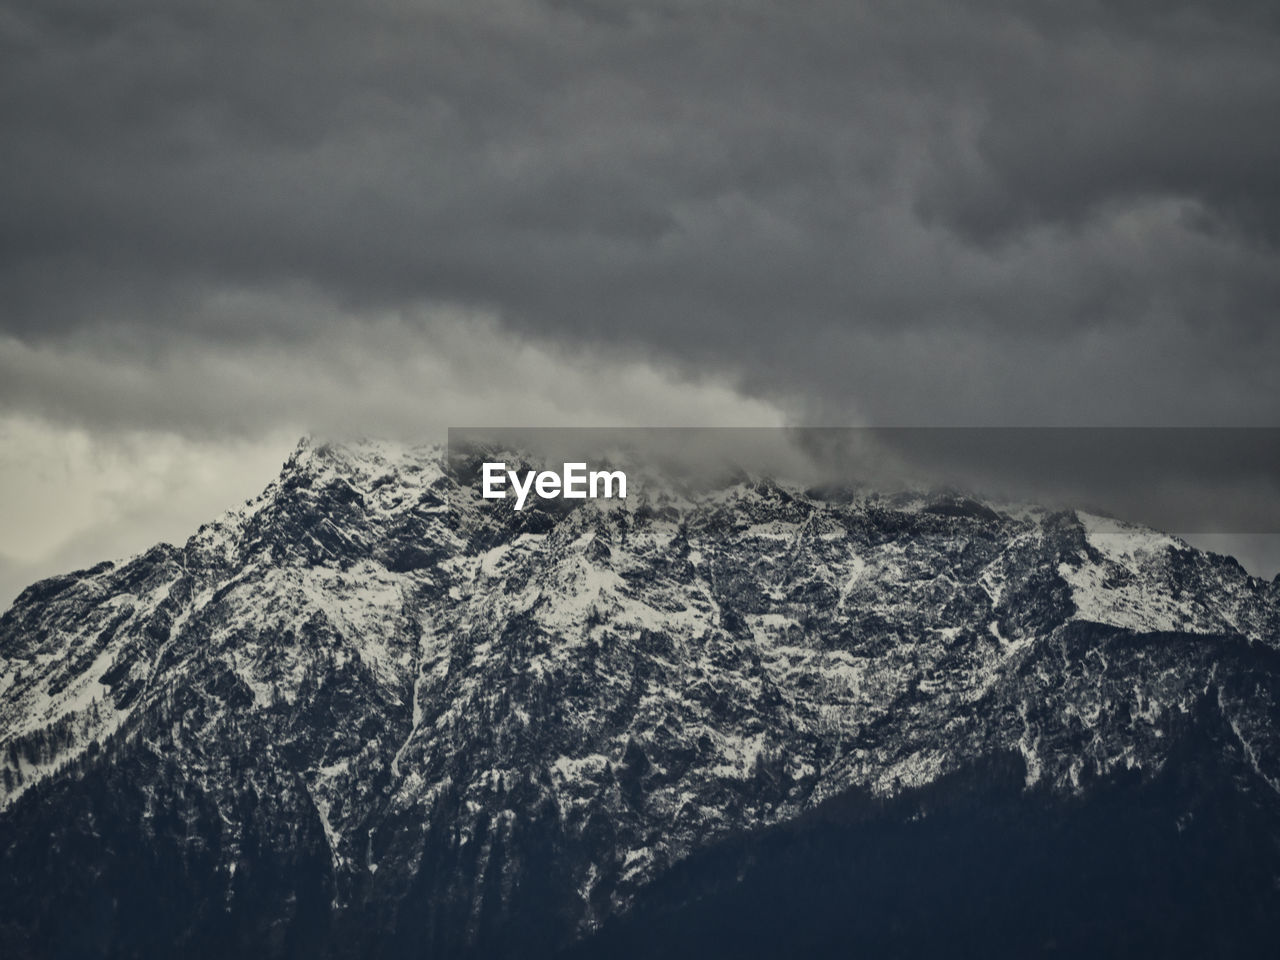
[(227, 223)]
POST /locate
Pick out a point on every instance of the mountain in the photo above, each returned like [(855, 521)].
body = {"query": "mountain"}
[(371, 714)]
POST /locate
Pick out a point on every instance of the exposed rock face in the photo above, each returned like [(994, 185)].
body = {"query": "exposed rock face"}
[(371, 713)]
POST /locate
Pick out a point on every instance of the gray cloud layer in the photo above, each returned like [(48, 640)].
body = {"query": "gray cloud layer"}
[(917, 212), (227, 221)]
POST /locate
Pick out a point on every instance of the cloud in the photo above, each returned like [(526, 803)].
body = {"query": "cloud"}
[(408, 374), (726, 185), (227, 221), (104, 452)]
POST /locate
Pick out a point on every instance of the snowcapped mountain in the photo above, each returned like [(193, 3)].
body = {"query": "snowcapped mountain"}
[(371, 714)]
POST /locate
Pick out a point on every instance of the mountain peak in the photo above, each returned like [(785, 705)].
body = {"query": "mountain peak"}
[(399, 676)]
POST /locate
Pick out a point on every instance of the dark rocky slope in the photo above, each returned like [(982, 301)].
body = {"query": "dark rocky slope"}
[(369, 714)]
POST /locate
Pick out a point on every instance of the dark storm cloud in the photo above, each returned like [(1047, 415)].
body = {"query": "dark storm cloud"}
[(1090, 105), (919, 211)]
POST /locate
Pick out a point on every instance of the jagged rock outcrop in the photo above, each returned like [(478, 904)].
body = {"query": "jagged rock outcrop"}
[(371, 713)]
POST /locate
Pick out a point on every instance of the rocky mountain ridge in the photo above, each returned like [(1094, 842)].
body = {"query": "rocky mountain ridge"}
[(371, 701)]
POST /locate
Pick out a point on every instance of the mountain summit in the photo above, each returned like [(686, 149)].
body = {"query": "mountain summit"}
[(370, 713)]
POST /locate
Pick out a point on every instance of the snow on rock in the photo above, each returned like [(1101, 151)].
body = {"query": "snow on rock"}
[(398, 670)]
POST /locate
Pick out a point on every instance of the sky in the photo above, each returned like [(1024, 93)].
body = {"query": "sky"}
[(229, 223)]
